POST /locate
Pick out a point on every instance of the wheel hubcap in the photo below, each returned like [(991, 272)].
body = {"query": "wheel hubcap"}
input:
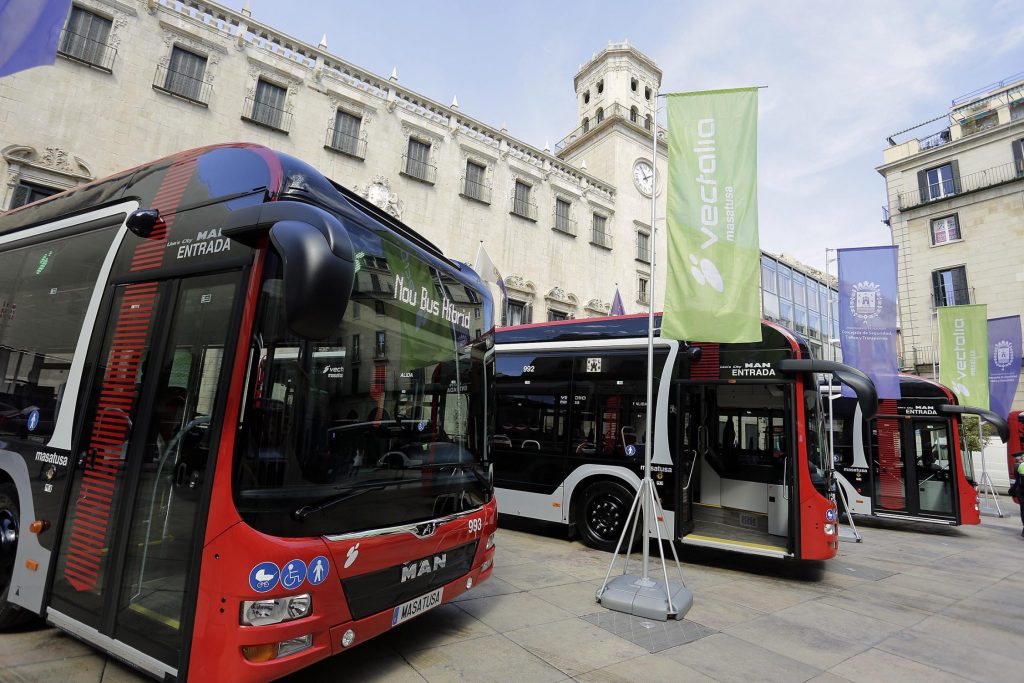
[(606, 516)]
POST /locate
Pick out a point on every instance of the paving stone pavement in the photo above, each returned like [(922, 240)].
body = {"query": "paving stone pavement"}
[(911, 603)]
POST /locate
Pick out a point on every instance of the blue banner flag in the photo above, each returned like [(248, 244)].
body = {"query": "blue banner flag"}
[(30, 32), (1004, 353), (867, 315), (617, 307)]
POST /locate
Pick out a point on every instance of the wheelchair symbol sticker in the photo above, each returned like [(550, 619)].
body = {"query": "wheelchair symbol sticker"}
[(631, 450), (293, 574), (263, 577), (319, 568)]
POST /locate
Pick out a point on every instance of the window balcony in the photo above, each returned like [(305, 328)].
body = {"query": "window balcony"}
[(565, 225), (523, 208), (79, 48), (266, 115), (600, 238), (182, 85), (346, 143), (419, 169), (966, 184), (477, 191)]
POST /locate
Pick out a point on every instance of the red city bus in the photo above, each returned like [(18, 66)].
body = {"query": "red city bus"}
[(1015, 444), (740, 457), (910, 461), (244, 417)]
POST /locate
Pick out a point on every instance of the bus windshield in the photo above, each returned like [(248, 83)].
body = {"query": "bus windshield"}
[(819, 461), (381, 425)]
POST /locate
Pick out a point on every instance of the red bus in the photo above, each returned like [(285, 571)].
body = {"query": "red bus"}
[(740, 457), (244, 417), (910, 461), (1015, 444)]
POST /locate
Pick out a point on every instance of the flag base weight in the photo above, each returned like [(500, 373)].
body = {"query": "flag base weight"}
[(647, 598)]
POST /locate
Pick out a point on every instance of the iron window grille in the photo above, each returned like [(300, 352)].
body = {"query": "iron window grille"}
[(85, 39), (185, 77)]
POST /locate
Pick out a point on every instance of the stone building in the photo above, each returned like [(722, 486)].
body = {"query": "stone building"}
[(954, 206), (139, 79)]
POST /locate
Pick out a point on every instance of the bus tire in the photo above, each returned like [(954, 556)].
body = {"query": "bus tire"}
[(601, 512), (10, 520)]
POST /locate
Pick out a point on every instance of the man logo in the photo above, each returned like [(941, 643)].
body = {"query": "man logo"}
[(415, 570), (1002, 354), (706, 273)]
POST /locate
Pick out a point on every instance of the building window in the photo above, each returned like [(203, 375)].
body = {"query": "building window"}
[(345, 136), (518, 312), (586, 123), (799, 289), (268, 105), (647, 93), (185, 76), (600, 114), (643, 246), (643, 281), (770, 307), (945, 229), (937, 183), (785, 282), (417, 161), (381, 344), (647, 122), (786, 314), (950, 287), (980, 122), (600, 235), (768, 275), (563, 218), (1018, 156), (634, 115), (26, 193), (633, 84), (378, 307), (600, 86), (355, 348), (85, 39), (521, 204), (586, 97), (554, 315), (475, 186), (800, 315)]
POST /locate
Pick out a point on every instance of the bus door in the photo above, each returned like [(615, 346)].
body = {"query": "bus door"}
[(125, 576), (741, 488), (687, 459), (915, 467)]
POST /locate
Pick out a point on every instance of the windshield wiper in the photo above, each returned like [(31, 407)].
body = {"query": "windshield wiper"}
[(330, 501), (472, 467)]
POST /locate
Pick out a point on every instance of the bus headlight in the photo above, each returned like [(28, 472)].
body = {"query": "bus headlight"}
[(490, 542), (276, 610)]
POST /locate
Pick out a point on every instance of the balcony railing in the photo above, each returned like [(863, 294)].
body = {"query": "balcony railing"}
[(523, 208), (965, 184), (885, 215), (96, 54), (952, 297), (346, 143), (564, 224), (601, 238), (419, 169), (264, 114), (182, 85), (472, 189), (935, 140), (613, 111)]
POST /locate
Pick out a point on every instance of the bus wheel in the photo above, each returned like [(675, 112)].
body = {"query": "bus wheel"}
[(602, 513), (10, 516)]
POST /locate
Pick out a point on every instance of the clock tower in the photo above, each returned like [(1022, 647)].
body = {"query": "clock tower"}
[(616, 99)]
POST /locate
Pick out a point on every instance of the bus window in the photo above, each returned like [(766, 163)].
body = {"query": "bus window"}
[(933, 467), (748, 441), (818, 460)]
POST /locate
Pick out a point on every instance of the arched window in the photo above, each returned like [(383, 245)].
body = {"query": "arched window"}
[(647, 122), (600, 114), (647, 93), (600, 86), (586, 123), (633, 84), (586, 97), (634, 114)]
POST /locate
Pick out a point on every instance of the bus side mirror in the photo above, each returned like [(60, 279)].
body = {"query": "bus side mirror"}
[(867, 395), (994, 419), (317, 261)]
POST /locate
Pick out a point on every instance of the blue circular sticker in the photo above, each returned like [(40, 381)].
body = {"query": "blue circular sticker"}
[(631, 450), (319, 568), (293, 574), (830, 515), (33, 420), (263, 577)]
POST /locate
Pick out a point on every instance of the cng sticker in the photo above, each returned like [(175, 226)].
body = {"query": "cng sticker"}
[(263, 577)]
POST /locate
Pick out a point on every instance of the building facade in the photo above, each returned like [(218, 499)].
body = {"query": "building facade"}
[(139, 79), (954, 206)]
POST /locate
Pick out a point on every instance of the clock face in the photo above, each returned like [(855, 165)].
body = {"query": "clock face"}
[(643, 176)]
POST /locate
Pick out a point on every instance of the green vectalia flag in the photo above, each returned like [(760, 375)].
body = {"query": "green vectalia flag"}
[(963, 363), (713, 289)]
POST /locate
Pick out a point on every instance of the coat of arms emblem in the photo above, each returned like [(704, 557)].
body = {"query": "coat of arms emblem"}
[(1002, 354), (866, 300)]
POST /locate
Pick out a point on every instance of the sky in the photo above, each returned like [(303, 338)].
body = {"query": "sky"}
[(840, 76)]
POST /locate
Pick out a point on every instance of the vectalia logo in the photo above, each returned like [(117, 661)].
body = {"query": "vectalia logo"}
[(706, 273)]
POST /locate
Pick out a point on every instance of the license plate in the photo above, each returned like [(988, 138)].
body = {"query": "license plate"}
[(408, 610)]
